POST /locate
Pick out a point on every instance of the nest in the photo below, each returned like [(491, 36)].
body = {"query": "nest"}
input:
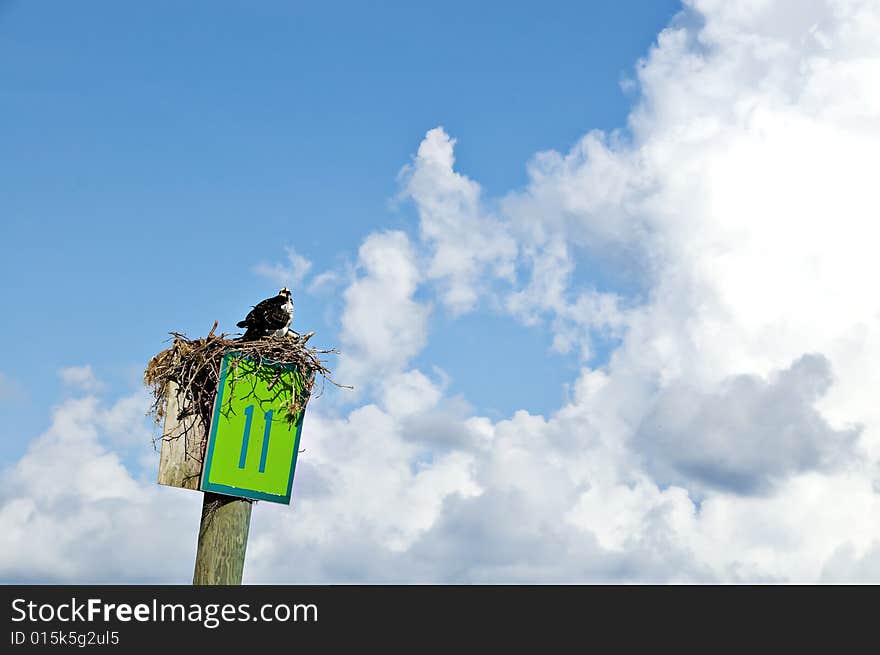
[(193, 367)]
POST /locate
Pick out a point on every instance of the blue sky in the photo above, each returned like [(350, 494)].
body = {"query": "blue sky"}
[(625, 253), (154, 154)]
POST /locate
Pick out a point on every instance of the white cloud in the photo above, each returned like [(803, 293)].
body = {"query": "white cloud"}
[(80, 378), (467, 243), (383, 327), (745, 198), (73, 511), (287, 274), (573, 314), (377, 495), (124, 422), (747, 433), (323, 282), (409, 393)]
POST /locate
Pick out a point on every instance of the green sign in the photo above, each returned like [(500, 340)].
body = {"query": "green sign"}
[(255, 431)]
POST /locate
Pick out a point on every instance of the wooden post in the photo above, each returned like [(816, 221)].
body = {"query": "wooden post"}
[(223, 536), (183, 445)]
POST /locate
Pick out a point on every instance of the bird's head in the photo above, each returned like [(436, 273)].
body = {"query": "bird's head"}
[(284, 292)]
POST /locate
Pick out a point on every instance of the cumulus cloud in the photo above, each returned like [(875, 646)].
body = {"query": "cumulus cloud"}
[(383, 326), (324, 282), (289, 273), (740, 203), (575, 316), (409, 393), (80, 378), (847, 565), (380, 495), (746, 433), (467, 243), (74, 511)]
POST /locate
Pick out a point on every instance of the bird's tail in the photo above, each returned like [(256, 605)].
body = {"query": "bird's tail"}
[(241, 324)]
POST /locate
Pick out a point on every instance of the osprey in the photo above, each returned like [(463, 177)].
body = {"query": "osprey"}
[(269, 317)]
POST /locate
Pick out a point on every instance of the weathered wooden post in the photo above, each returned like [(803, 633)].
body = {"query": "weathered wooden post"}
[(223, 536), (232, 432)]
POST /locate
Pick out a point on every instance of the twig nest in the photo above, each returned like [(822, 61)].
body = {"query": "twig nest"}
[(194, 366)]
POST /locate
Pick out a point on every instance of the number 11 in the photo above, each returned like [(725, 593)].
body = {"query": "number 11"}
[(248, 419)]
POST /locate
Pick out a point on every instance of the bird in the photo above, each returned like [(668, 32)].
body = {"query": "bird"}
[(269, 317)]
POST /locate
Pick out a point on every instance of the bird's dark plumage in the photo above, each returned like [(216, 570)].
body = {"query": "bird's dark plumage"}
[(269, 316)]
